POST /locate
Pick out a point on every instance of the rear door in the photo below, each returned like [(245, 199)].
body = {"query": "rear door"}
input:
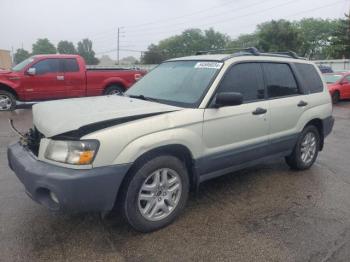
[(74, 78), (234, 135), (346, 87), (48, 81), (286, 102)]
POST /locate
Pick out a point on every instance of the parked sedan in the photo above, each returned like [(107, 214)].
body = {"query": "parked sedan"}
[(338, 85)]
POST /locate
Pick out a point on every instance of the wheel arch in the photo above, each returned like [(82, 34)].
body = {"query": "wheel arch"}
[(9, 89), (177, 150), (317, 122)]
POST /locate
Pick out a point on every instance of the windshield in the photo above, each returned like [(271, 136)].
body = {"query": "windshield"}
[(330, 79), (180, 83), (23, 64)]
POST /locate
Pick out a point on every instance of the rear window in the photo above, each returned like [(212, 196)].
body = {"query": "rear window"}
[(280, 80), (310, 77), (70, 65)]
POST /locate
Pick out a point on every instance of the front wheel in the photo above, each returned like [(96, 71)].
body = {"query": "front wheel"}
[(306, 149), (156, 194), (7, 101)]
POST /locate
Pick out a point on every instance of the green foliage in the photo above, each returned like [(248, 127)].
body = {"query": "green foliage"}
[(278, 35), (340, 41), (86, 51), (66, 47), (188, 43), (20, 55), (43, 46), (244, 41), (315, 35)]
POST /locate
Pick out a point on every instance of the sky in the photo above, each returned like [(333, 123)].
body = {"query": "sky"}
[(143, 22)]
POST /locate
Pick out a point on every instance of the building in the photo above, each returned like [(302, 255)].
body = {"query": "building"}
[(5, 59)]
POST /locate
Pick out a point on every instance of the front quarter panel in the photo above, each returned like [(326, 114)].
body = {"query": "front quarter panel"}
[(126, 142)]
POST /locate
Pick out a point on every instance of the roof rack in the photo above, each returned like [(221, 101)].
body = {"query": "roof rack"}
[(251, 51)]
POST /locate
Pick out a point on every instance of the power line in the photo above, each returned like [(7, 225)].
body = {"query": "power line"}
[(206, 17)]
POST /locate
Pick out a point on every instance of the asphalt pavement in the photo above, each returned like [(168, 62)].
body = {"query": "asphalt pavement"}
[(264, 213)]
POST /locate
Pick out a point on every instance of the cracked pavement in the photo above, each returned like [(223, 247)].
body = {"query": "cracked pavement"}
[(263, 213)]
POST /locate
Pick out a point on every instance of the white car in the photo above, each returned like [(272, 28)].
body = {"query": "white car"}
[(188, 120)]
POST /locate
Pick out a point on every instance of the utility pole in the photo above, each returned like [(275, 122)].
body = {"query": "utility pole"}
[(118, 38), (119, 35)]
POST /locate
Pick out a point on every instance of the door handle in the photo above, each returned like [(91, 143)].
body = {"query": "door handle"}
[(302, 103), (259, 111), (60, 78)]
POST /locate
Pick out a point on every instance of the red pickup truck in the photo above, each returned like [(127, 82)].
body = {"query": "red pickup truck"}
[(44, 77)]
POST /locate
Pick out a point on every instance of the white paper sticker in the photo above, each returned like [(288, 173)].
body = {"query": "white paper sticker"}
[(211, 65)]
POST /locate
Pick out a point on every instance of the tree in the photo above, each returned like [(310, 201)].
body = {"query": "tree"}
[(153, 55), (340, 42), (315, 36), (278, 35), (188, 43), (20, 55), (244, 41), (43, 46), (129, 60), (86, 51), (66, 47)]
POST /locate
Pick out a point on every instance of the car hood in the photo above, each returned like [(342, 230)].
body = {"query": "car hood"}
[(331, 86), (61, 116)]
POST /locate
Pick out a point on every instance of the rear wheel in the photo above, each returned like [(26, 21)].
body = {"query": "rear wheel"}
[(156, 194), (114, 90), (335, 97), (7, 101), (306, 149)]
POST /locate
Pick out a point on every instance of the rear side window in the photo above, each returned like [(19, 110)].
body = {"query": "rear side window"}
[(51, 65), (246, 79), (280, 80), (310, 77), (70, 65)]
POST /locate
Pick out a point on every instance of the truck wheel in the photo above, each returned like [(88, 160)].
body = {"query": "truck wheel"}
[(156, 193), (7, 101), (306, 149), (114, 90), (335, 97)]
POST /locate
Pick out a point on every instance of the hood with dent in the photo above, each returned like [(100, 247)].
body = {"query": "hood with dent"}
[(61, 116)]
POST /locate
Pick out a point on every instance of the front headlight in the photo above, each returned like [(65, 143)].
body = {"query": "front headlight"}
[(72, 152)]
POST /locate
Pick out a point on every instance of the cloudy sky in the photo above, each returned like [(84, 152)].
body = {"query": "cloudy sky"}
[(144, 22)]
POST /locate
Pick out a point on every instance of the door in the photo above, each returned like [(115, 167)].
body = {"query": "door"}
[(47, 82), (74, 78), (234, 135), (346, 87), (286, 104)]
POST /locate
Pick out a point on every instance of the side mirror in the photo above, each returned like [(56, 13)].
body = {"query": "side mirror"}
[(31, 71), (228, 99)]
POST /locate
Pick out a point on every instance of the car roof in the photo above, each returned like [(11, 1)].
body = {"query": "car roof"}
[(55, 56), (242, 56)]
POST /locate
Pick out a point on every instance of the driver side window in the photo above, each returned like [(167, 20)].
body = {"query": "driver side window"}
[(245, 78), (47, 66)]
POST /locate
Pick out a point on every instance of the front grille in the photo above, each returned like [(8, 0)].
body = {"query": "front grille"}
[(32, 140)]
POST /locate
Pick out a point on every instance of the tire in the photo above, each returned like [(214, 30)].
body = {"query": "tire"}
[(298, 160), (335, 97), (114, 90), (7, 101), (146, 214)]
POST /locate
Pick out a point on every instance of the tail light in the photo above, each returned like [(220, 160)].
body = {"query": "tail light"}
[(137, 77)]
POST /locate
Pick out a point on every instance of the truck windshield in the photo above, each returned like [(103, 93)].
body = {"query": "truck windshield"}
[(23, 64), (180, 83)]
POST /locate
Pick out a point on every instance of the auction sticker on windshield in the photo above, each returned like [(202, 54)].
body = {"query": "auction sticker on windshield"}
[(211, 65)]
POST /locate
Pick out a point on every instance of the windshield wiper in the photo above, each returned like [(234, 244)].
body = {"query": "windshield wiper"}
[(143, 98)]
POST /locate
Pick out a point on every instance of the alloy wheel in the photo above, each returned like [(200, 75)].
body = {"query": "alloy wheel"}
[(159, 194), (308, 148)]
